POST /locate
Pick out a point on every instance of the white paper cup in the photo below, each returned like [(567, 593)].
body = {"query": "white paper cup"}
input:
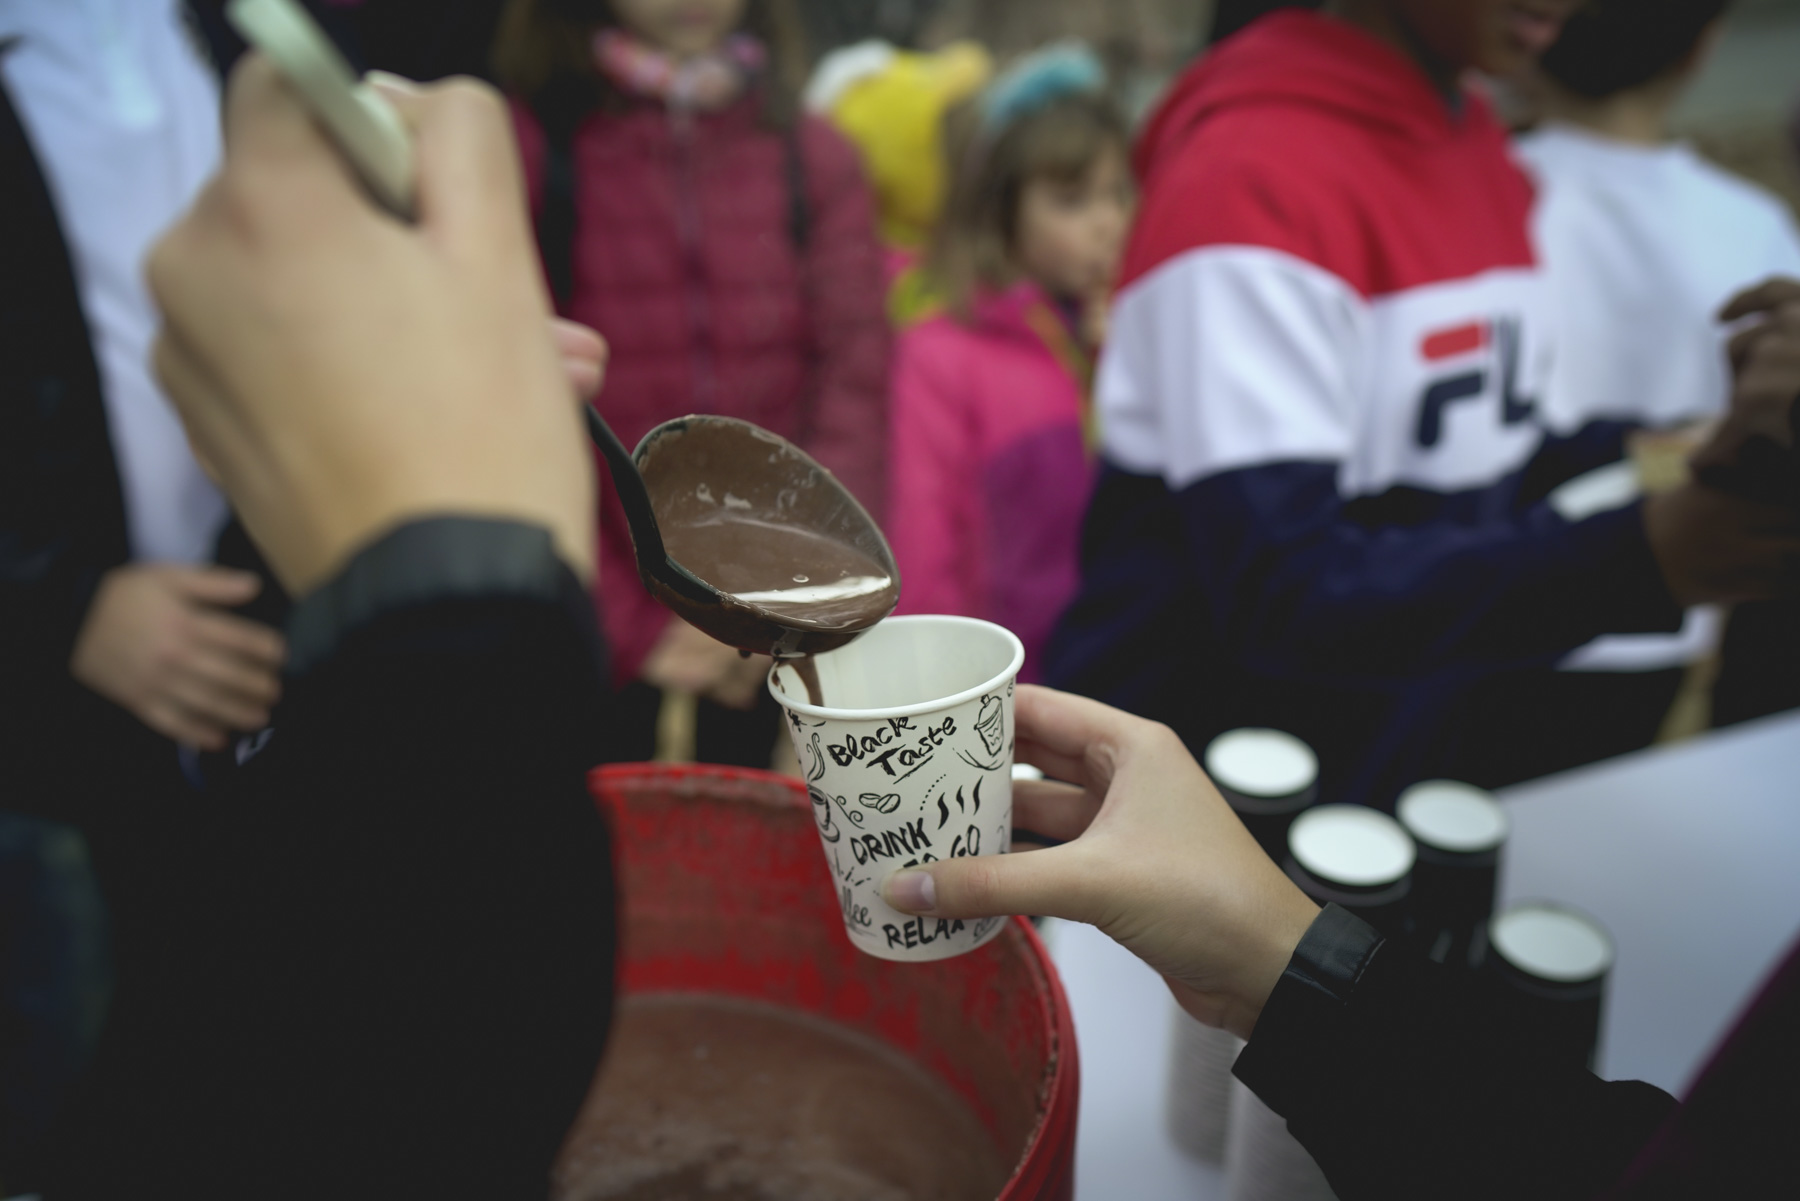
[(1263, 1162), (909, 761), (1197, 1103)]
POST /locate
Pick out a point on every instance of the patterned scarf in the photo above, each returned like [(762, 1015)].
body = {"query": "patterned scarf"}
[(702, 84)]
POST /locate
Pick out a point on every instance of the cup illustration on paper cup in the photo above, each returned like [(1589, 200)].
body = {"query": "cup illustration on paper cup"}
[(907, 761)]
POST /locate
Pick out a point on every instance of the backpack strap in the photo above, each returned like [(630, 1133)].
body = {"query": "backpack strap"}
[(799, 206), (560, 114)]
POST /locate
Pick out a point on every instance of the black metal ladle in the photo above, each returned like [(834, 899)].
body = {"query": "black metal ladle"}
[(808, 495)]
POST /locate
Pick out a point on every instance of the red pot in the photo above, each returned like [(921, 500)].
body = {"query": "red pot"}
[(725, 892)]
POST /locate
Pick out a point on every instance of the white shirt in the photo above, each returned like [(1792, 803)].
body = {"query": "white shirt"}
[(1642, 245), (123, 114)]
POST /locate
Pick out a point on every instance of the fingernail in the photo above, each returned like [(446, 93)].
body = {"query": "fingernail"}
[(393, 83), (911, 892)]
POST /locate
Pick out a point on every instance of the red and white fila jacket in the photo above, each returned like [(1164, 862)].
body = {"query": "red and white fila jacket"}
[(1319, 401)]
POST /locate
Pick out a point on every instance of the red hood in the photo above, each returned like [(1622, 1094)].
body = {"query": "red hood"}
[(1304, 59)]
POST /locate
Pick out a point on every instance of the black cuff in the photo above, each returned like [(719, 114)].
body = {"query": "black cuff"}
[(1299, 1023), (437, 558)]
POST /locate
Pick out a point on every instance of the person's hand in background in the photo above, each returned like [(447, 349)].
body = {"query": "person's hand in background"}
[(1755, 450), (341, 372), (1719, 547), (584, 355), (1151, 854), (1733, 533), (686, 660), (158, 642)]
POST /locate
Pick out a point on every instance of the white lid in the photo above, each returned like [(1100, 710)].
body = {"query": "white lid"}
[(1452, 816), (1552, 942), (1351, 844), (1264, 763)]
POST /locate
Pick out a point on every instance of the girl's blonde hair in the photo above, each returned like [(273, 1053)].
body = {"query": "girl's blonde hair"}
[(973, 248), (543, 52)]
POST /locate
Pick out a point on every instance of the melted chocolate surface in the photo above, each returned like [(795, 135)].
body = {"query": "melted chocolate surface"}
[(798, 567), (789, 571), (727, 1100)]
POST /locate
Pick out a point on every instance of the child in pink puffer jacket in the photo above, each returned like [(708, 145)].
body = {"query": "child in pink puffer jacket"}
[(991, 465)]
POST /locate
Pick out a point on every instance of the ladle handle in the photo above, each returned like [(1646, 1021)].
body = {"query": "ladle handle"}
[(630, 487)]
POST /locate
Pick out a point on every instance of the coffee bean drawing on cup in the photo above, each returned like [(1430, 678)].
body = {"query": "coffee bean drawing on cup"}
[(880, 803)]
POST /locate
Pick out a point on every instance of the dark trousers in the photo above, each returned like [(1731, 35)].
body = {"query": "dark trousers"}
[(53, 982)]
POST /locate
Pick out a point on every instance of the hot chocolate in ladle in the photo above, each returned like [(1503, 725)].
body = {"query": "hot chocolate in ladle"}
[(745, 537)]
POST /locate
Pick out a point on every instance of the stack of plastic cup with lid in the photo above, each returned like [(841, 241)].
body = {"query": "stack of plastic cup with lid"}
[(1548, 965), (1460, 831), (1356, 857), (1361, 859)]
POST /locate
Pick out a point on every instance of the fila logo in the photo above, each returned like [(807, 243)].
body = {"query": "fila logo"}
[(1458, 342)]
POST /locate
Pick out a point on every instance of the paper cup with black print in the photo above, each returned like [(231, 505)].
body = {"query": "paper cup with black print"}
[(908, 761)]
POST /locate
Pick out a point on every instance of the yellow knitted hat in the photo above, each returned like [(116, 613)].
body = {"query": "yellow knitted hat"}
[(891, 104)]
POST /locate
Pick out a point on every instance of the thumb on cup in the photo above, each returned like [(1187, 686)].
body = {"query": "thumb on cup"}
[(987, 886)]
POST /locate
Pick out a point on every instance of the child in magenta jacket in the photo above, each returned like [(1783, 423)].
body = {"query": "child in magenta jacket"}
[(990, 464)]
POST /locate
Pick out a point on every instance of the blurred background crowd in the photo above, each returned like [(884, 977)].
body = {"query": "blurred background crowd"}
[(888, 229)]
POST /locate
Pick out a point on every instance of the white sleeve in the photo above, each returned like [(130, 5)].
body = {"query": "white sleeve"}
[(1784, 254), (1227, 357)]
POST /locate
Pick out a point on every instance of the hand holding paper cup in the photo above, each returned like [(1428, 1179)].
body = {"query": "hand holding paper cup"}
[(908, 761)]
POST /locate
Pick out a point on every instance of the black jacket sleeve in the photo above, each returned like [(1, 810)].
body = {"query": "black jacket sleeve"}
[(62, 517), (392, 973), (1395, 1082)]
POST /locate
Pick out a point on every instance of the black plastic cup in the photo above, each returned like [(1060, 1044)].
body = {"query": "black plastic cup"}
[(1268, 778), (1460, 831), (1548, 965), (1355, 856)]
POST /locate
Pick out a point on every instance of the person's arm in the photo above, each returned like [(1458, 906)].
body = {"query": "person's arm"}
[(59, 490), (1396, 1088), (1755, 451), (846, 303), (1400, 1086), (933, 516), (47, 586), (49, 717), (1231, 376), (79, 625), (417, 884), (399, 951)]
